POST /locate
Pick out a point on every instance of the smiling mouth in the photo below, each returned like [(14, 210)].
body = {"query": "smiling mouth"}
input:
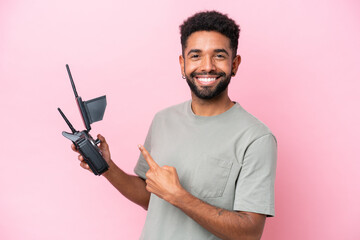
[(206, 80)]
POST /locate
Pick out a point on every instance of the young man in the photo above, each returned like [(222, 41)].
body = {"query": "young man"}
[(207, 168)]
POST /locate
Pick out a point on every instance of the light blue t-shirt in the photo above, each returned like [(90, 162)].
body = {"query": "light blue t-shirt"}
[(227, 160)]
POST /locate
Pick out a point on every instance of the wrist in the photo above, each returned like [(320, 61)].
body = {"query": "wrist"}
[(180, 197), (110, 169)]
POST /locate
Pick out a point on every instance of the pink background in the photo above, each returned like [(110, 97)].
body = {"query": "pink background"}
[(300, 75)]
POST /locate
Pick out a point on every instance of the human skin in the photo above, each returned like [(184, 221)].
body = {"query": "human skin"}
[(164, 183), (206, 52), (132, 187)]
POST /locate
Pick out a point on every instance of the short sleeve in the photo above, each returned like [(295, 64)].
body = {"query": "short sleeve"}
[(255, 186), (142, 166)]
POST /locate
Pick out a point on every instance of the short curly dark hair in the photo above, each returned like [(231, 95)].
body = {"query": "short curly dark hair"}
[(211, 21)]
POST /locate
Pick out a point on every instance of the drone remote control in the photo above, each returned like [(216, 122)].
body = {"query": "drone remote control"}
[(91, 111)]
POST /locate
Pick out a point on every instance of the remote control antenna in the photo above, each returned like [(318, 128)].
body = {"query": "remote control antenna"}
[(67, 121), (71, 80)]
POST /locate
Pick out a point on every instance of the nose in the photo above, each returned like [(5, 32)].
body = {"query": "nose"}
[(207, 64)]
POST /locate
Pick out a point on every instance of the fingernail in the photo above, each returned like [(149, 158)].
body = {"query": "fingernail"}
[(139, 146)]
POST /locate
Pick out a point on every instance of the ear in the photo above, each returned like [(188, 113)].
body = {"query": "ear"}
[(182, 65), (235, 64)]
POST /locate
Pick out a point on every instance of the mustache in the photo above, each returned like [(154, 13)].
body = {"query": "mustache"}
[(220, 74)]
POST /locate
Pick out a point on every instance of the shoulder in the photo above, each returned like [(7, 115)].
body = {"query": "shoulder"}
[(252, 126), (173, 111)]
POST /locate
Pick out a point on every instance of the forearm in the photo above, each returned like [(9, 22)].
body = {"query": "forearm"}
[(222, 223), (132, 187)]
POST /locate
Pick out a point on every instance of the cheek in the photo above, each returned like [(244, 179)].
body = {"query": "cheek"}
[(225, 67), (189, 68), (221, 66)]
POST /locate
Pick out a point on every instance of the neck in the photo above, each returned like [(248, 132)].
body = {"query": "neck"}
[(211, 107)]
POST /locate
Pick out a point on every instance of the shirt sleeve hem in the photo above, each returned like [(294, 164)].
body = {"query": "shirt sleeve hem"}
[(266, 210), (139, 173)]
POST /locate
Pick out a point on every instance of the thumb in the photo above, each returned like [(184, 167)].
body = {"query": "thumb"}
[(102, 139)]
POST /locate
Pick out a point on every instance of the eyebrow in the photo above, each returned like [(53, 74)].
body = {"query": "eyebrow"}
[(193, 51), (221, 50)]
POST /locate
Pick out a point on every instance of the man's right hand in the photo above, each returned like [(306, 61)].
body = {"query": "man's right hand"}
[(132, 187), (104, 147)]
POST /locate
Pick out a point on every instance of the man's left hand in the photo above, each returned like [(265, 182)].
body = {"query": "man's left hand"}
[(161, 181)]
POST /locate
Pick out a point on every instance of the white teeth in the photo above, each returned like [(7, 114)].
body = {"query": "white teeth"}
[(207, 79)]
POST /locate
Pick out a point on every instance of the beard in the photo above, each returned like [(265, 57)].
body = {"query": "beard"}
[(208, 92)]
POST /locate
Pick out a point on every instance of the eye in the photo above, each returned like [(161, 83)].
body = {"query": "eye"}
[(219, 56), (195, 56)]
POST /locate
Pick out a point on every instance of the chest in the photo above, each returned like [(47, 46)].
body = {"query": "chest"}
[(207, 160)]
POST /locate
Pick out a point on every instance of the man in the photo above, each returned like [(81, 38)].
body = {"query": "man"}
[(207, 168)]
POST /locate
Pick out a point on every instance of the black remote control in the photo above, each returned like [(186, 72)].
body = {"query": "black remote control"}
[(91, 111)]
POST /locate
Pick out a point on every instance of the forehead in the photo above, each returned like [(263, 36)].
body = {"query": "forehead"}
[(207, 41)]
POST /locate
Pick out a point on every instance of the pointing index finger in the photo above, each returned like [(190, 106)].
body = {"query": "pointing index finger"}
[(148, 158)]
